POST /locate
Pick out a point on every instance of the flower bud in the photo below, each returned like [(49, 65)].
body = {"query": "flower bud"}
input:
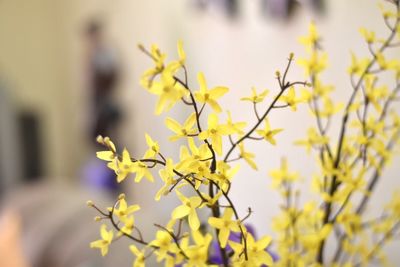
[(141, 46), (100, 139)]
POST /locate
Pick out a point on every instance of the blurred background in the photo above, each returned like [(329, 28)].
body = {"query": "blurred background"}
[(70, 70)]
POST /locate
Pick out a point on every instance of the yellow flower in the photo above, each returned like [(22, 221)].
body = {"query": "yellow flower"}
[(283, 175), (147, 78), (375, 126), (167, 175), (386, 13), (211, 201), (290, 98), (381, 149), (141, 171), (204, 95), (268, 133), (153, 150), (157, 56), (247, 156), (188, 208), (319, 89), (315, 64), (224, 174), (368, 35), (140, 256), (257, 256), (358, 66), (103, 243), (338, 197), (123, 210), (164, 243), (184, 130), (306, 95), (215, 131), (313, 139), (198, 253), (394, 205), (374, 93), (256, 98), (129, 224), (235, 127), (384, 64), (312, 38), (167, 89), (329, 108), (201, 153), (311, 240), (196, 161), (225, 226), (350, 221), (122, 168)]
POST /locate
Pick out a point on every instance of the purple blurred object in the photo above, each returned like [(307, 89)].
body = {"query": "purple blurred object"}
[(98, 176), (216, 257)]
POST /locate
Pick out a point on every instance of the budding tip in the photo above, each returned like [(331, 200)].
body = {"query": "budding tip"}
[(90, 203), (121, 196), (100, 139), (97, 218)]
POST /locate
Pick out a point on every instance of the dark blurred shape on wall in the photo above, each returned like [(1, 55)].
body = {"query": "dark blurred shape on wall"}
[(103, 71), (229, 7), (20, 143), (286, 9), (30, 149), (281, 9)]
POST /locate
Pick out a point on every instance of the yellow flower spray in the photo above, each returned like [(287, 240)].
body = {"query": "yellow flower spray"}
[(349, 165)]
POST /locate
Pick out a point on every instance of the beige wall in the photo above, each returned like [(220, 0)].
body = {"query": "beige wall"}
[(33, 64)]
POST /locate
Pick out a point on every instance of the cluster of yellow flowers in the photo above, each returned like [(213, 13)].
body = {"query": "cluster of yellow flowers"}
[(349, 168)]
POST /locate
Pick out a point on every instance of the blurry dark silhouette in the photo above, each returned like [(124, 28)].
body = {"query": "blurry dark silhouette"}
[(229, 7), (280, 9), (103, 72), (30, 145), (286, 9)]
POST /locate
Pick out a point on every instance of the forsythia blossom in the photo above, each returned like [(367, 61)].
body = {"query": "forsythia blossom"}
[(207, 227)]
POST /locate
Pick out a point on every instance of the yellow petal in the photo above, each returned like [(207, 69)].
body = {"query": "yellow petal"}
[(264, 242), (219, 91), (212, 120), (214, 105), (173, 125), (202, 81), (194, 221), (223, 236), (215, 222), (181, 52), (105, 155), (180, 212)]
